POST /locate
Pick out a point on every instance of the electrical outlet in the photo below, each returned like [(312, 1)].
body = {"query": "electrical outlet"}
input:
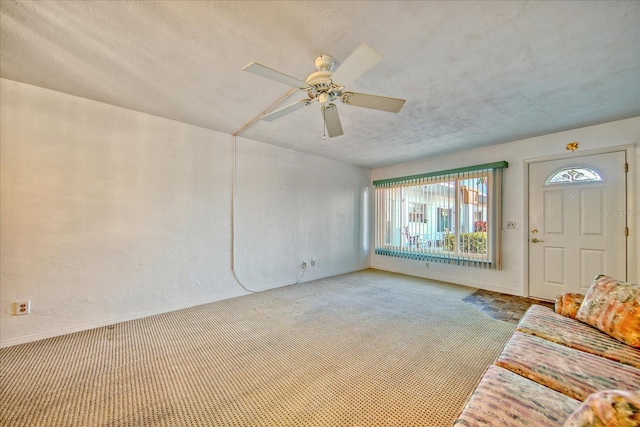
[(427, 265), (22, 308), (304, 264), (313, 263)]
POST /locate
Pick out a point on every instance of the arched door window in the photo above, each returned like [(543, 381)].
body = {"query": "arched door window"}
[(574, 175)]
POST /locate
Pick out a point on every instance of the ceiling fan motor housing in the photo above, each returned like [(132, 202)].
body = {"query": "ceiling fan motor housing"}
[(320, 81)]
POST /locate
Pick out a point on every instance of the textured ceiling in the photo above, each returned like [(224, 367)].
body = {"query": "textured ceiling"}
[(473, 73)]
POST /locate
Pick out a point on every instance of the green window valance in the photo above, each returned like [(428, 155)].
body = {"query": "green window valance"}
[(413, 178)]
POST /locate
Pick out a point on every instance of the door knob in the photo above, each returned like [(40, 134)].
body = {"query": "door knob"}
[(534, 240)]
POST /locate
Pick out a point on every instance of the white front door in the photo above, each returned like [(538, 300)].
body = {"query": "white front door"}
[(577, 223)]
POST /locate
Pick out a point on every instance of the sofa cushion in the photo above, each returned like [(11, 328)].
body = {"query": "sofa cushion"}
[(544, 323), (614, 308), (507, 399), (571, 372), (608, 408)]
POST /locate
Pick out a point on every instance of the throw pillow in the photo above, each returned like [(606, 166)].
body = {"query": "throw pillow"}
[(558, 304), (570, 304), (607, 408), (613, 307)]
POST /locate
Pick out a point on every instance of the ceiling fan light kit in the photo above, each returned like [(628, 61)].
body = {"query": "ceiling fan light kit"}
[(321, 86)]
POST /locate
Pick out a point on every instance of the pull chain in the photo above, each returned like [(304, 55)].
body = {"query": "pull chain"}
[(324, 128)]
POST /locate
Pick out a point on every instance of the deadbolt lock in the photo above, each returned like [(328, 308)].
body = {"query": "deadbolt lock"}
[(534, 230)]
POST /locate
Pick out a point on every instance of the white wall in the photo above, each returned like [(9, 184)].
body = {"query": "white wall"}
[(292, 207), (512, 279), (107, 214)]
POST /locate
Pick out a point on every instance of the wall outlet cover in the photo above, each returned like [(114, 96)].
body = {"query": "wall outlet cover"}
[(22, 307)]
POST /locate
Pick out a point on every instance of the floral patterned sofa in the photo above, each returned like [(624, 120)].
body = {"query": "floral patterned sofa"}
[(577, 366)]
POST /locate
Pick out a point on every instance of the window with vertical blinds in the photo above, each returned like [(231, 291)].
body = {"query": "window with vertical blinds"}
[(452, 216)]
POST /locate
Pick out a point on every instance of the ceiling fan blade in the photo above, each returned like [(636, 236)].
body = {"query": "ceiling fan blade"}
[(272, 74), (332, 120), (359, 62), (392, 105), (286, 110)]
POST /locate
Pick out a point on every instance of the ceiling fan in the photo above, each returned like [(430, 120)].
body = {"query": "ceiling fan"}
[(326, 86)]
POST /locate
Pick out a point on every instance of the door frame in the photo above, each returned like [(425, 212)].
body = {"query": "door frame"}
[(632, 270)]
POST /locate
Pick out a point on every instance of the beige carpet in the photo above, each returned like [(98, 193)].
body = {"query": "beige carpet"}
[(362, 349)]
